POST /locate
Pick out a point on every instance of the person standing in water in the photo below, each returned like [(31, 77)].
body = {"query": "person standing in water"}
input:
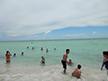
[(105, 61), (43, 60), (64, 60), (8, 59)]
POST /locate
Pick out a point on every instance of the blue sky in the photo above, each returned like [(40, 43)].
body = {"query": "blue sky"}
[(53, 19)]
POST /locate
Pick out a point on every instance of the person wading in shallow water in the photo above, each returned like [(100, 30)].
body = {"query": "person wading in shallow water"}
[(64, 60), (8, 59), (105, 61), (43, 60)]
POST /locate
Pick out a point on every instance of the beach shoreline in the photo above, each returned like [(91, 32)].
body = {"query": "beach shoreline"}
[(48, 73)]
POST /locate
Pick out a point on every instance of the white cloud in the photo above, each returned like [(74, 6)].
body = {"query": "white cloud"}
[(94, 32), (15, 35), (47, 32), (75, 35), (35, 36), (27, 17)]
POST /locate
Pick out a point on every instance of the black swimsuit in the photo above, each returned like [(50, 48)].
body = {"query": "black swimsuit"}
[(63, 63), (106, 64)]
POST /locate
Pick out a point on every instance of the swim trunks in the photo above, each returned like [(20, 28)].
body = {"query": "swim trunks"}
[(43, 61), (106, 64), (63, 63)]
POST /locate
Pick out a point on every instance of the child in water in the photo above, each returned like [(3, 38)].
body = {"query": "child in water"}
[(43, 60), (14, 55), (70, 62)]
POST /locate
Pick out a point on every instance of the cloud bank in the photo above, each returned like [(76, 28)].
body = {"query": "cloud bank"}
[(27, 17), (75, 35)]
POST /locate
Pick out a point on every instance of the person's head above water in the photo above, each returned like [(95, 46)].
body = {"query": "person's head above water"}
[(7, 51), (42, 57), (79, 66), (105, 53)]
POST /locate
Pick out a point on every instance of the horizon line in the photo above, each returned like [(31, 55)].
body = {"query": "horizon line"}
[(53, 39)]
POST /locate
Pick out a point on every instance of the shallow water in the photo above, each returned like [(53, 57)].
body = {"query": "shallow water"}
[(88, 53), (49, 73)]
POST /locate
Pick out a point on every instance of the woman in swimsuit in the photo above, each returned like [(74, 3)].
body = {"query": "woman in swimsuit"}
[(8, 59)]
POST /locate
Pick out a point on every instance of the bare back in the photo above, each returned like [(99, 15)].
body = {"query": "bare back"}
[(76, 73)]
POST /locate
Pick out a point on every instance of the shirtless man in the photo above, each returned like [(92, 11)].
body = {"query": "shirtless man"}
[(64, 60), (77, 72), (8, 59)]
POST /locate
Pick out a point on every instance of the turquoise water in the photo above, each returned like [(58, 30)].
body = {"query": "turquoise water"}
[(88, 53)]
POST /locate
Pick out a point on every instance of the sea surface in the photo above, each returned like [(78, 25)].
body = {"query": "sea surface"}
[(86, 52)]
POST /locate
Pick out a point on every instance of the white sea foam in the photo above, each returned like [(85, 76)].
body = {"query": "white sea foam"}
[(49, 73)]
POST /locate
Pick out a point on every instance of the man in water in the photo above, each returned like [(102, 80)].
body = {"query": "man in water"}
[(105, 61), (8, 59), (64, 60), (77, 72)]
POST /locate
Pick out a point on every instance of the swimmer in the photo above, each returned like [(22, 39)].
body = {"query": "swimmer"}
[(47, 50), (70, 62), (22, 53), (14, 55), (54, 48), (43, 60), (32, 48), (77, 72), (41, 48), (8, 59), (27, 47), (105, 61)]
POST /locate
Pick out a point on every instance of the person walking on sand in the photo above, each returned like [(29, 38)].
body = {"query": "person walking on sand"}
[(77, 72), (105, 61), (8, 59), (64, 60)]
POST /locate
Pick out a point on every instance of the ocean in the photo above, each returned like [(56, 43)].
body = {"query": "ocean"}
[(86, 52)]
